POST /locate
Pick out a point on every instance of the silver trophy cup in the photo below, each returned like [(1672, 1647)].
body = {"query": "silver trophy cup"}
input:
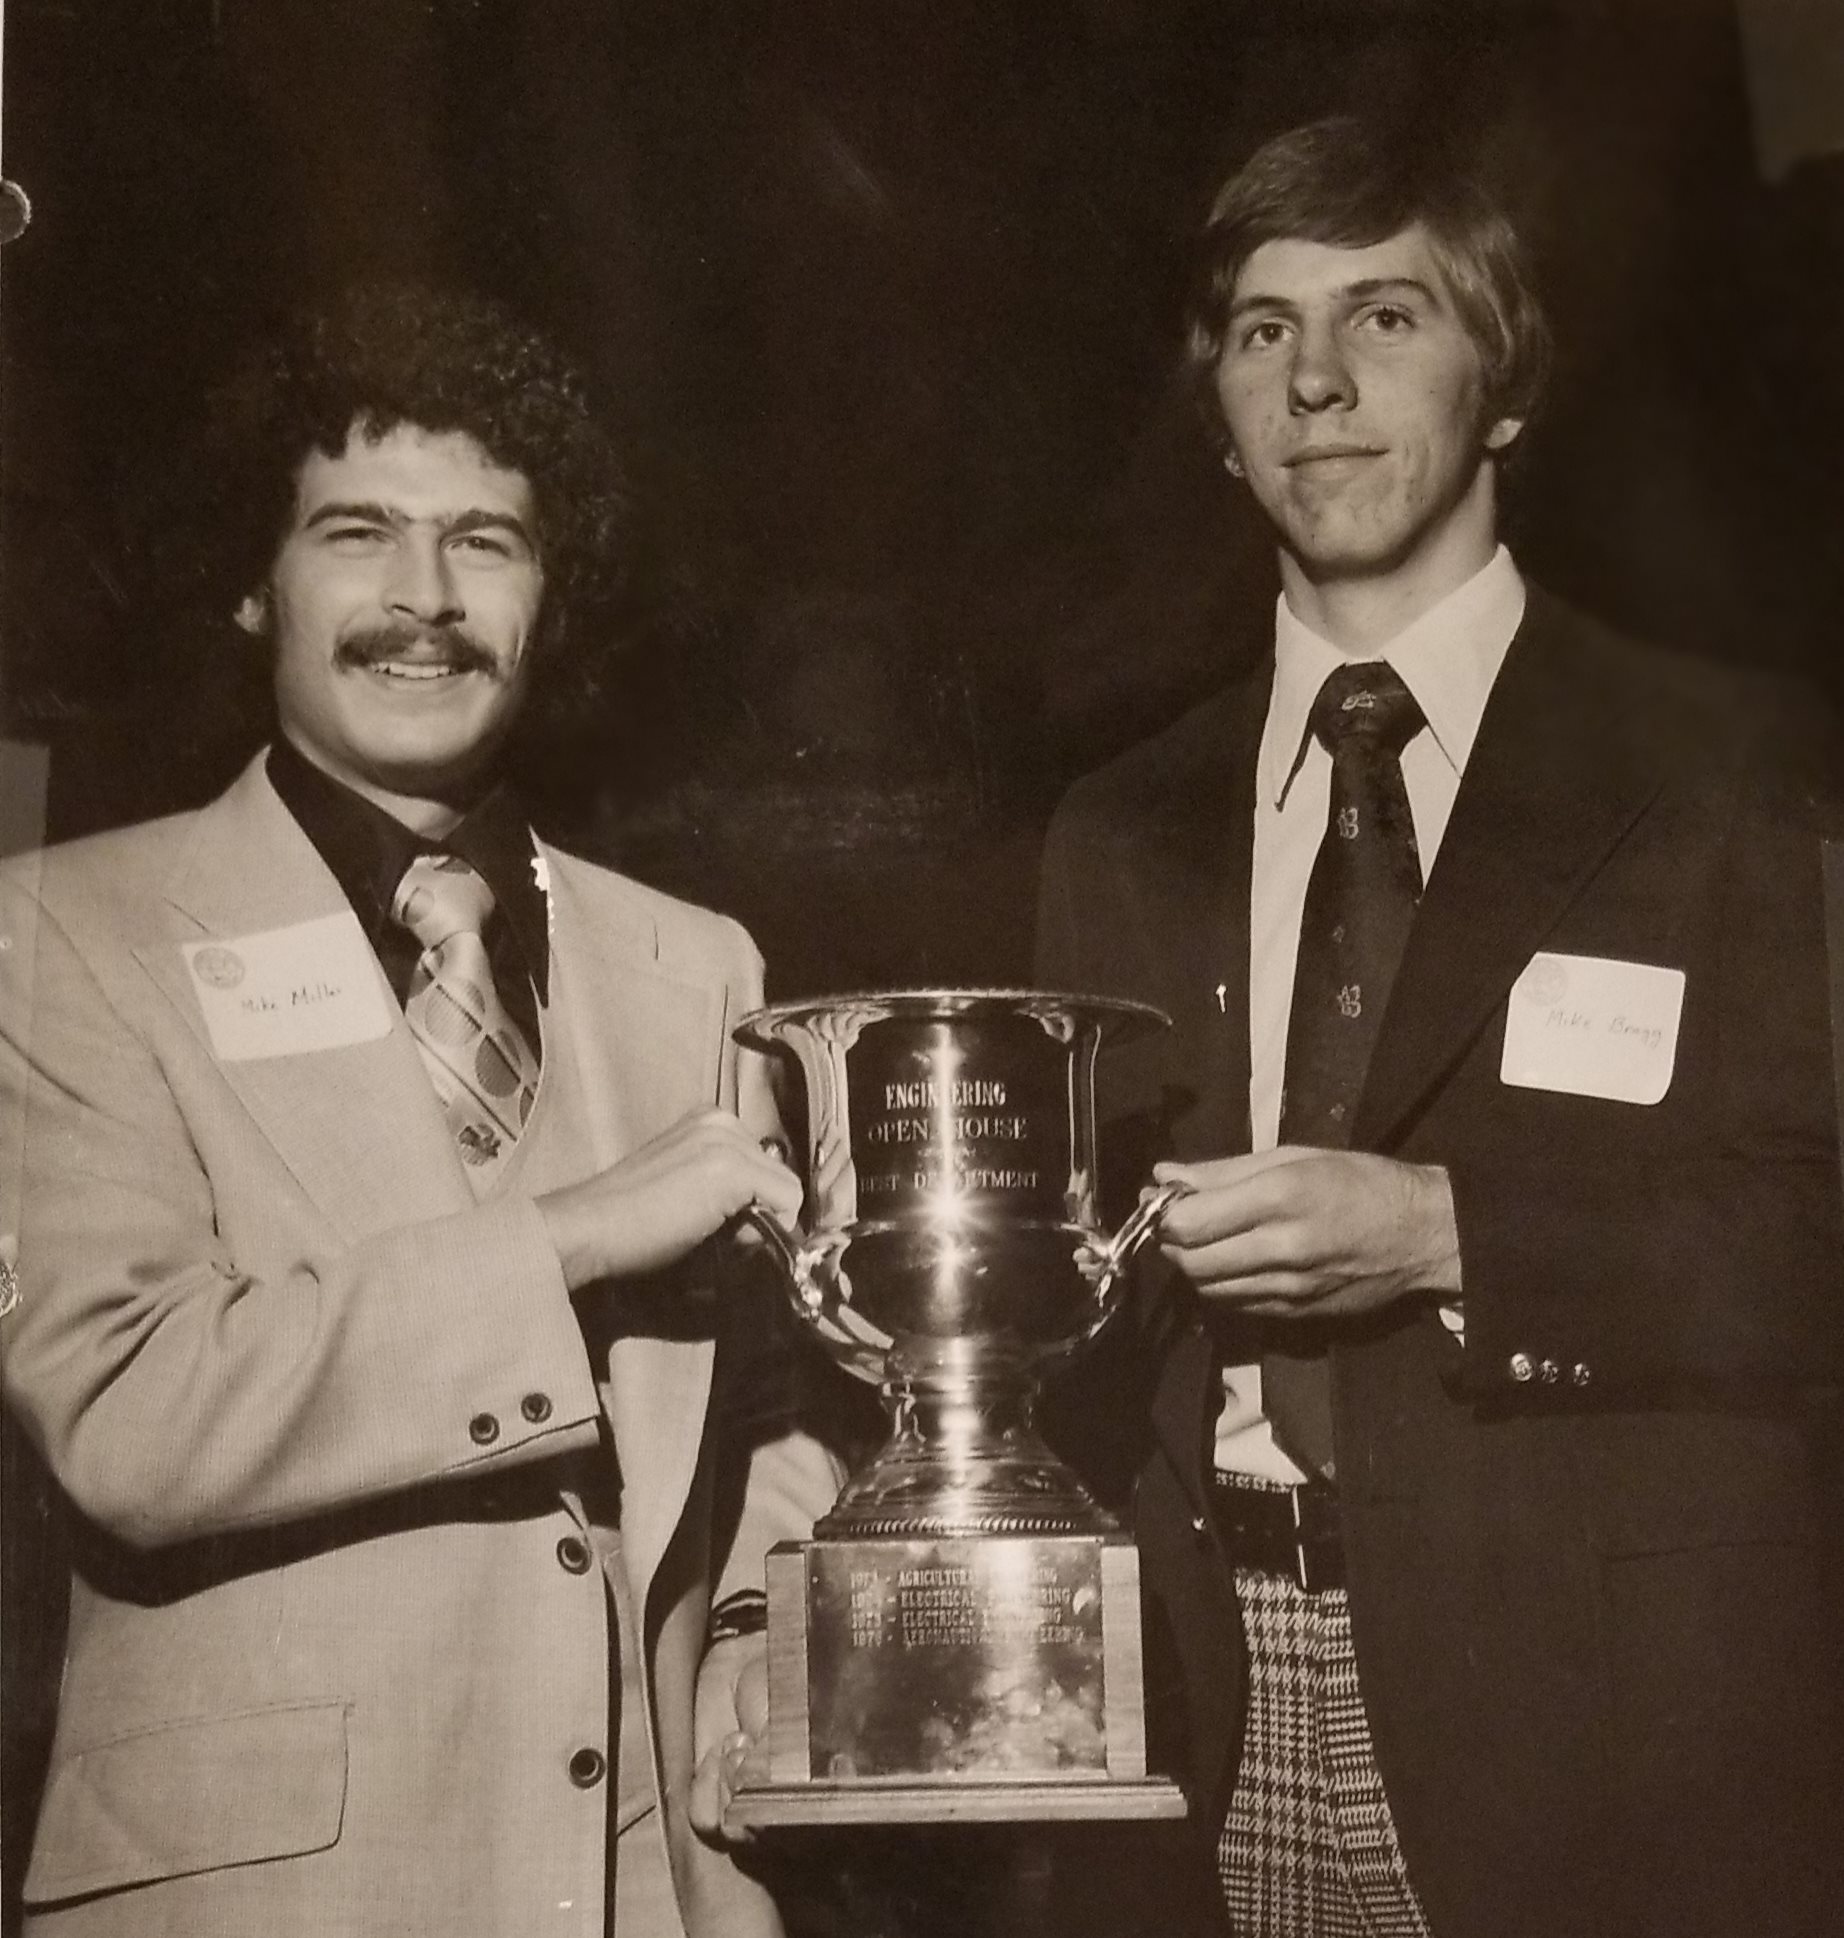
[(961, 1636)]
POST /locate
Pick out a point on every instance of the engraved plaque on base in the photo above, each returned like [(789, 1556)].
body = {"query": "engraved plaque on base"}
[(981, 1658), (961, 1637)]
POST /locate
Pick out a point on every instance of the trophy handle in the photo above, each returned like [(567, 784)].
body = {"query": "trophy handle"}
[(781, 1242), (1139, 1227)]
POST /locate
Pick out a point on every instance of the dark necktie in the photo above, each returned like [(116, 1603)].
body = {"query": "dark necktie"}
[(1360, 902), (483, 1070)]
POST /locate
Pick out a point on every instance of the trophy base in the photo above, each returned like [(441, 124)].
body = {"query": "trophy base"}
[(759, 1803), (942, 1678)]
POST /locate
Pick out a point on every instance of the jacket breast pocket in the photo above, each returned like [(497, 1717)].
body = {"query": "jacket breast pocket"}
[(191, 1796)]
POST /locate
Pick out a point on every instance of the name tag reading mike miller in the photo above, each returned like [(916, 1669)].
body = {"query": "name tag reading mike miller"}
[(312, 986), (1593, 1026)]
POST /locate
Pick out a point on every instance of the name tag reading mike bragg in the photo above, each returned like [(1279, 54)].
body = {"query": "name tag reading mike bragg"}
[(1592, 1026), (312, 986)]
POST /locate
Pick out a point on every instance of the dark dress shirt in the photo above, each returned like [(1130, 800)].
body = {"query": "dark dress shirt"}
[(368, 850)]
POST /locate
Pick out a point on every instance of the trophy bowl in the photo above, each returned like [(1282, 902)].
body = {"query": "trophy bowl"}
[(955, 1248), (961, 1635)]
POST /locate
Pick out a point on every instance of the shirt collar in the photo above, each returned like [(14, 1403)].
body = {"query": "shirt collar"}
[(1448, 659), (367, 851)]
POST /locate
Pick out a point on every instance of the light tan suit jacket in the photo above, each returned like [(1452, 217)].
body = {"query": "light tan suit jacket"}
[(329, 1424)]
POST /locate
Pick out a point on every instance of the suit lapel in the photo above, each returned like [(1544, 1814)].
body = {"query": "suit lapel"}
[(651, 1038), (1191, 884), (646, 1048), (1554, 782), (1188, 883), (357, 1126)]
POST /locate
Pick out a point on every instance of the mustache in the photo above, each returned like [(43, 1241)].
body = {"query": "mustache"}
[(454, 645)]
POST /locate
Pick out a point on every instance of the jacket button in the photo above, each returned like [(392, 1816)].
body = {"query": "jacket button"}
[(1579, 1375), (536, 1407), (1549, 1372), (1522, 1367), (483, 1429), (587, 1768), (573, 1555)]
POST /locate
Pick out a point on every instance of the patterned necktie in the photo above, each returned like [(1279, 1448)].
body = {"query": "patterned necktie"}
[(1360, 902), (483, 1070)]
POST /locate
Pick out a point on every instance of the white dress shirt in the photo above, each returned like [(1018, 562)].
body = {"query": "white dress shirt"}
[(1448, 659)]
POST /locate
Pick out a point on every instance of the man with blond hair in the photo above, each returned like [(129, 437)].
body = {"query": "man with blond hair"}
[(1476, 1489)]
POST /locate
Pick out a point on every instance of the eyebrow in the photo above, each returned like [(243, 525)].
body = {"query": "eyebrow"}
[(1365, 290), (365, 511)]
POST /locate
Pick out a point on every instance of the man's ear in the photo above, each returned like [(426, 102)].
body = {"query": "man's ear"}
[(252, 614), (1503, 434)]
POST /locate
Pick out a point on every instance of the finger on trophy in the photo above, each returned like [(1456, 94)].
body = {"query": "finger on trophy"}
[(1142, 1223), (758, 1223)]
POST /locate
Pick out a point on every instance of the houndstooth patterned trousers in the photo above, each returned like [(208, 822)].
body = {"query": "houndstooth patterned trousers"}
[(1308, 1849)]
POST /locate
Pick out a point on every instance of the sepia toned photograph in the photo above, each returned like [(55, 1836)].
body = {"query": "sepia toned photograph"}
[(921, 969)]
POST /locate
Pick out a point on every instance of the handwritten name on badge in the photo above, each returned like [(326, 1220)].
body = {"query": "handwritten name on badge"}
[(1594, 1027), (311, 986)]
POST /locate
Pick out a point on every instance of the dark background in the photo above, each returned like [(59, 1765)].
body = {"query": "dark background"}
[(882, 300)]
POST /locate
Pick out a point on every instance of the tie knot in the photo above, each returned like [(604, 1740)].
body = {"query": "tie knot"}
[(440, 896), (1366, 702)]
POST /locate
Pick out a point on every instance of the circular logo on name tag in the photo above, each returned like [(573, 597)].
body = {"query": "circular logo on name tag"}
[(220, 968), (1546, 982)]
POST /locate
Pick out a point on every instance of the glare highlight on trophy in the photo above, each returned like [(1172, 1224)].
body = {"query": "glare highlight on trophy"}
[(961, 1636)]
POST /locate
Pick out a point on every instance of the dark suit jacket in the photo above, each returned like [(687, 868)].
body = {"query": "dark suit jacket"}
[(1591, 1622)]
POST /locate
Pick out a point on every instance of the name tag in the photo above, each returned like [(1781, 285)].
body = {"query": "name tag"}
[(313, 986), (1593, 1027)]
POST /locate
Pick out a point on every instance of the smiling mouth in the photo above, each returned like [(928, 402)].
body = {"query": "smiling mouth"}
[(416, 672), (407, 655)]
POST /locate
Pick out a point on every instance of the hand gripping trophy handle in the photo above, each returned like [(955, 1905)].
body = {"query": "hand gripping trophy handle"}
[(1141, 1224)]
